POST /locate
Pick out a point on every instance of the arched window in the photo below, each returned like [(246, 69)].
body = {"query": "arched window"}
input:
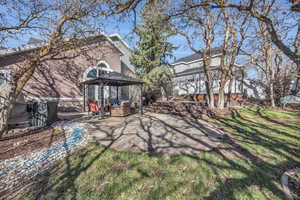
[(92, 73), (102, 69)]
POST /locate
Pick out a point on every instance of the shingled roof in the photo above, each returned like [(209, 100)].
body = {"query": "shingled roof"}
[(197, 56)]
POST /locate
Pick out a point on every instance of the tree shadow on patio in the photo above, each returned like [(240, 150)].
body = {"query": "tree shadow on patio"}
[(164, 137)]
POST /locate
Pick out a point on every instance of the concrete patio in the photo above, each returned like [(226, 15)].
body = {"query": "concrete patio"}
[(154, 133)]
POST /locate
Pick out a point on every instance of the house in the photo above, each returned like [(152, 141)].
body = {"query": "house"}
[(189, 75), (59, 80), (296, 5)]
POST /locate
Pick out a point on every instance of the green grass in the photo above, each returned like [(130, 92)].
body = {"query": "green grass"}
[(260, 146)]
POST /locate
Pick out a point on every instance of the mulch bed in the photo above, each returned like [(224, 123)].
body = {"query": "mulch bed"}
[(28, 143)]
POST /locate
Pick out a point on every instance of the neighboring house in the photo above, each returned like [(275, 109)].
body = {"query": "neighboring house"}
[(189, 75), (59, 80)]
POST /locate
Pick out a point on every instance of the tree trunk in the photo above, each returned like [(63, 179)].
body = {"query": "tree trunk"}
[(210, 95), (211, 100), (229, 92), (9, 92), (7, 99), (221, 101), (272, 94), (163, 93), (296, 89), (209, 79)]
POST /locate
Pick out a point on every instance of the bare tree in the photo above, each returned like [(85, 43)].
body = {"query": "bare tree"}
[(17, 17), (64, 25), (263, 59), (259, 10), (204, 22), (234, 34), (256, 8)]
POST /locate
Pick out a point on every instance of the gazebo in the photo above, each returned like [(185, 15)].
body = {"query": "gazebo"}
[(111, 79)]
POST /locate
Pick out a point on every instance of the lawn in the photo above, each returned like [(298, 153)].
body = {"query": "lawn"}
[(260, 145)]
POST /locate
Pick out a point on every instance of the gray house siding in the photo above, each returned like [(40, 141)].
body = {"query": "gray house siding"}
[(189, 76)]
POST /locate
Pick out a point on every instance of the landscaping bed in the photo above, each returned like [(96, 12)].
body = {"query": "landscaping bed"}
[(12, 147), (25, 157)]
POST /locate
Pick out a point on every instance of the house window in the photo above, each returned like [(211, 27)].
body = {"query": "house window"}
[(190, 80), (92, 74), (114, 91), (4, 76), (102, 69), (91, 92)]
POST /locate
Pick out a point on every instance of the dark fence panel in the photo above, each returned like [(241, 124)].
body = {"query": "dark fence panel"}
[(42, 113), (39, 113)]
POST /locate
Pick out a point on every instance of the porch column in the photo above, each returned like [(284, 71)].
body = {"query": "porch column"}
[(84, 105), (109, 99), (141, 99), (101, 100), (118, 93)]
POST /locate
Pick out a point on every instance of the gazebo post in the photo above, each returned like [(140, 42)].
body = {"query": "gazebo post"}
[(109, 99), (118, 93), (84, 98), (141, 99), (101, 100)]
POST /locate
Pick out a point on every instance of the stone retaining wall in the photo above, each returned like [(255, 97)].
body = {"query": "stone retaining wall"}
[(183, 108)]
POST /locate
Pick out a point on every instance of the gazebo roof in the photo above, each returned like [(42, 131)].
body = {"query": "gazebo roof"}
[(113, 79)]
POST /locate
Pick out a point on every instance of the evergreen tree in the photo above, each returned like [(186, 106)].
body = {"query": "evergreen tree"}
[(153, 49)]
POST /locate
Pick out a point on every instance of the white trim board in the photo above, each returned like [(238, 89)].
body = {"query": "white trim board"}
[(54, 99), (121, 39), (181, 62)]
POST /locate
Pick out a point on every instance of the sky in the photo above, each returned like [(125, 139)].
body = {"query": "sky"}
[(124, 27)]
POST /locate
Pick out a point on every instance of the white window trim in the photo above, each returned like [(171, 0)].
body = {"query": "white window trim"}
[(53, 99), (97, 68), (108, 69)]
